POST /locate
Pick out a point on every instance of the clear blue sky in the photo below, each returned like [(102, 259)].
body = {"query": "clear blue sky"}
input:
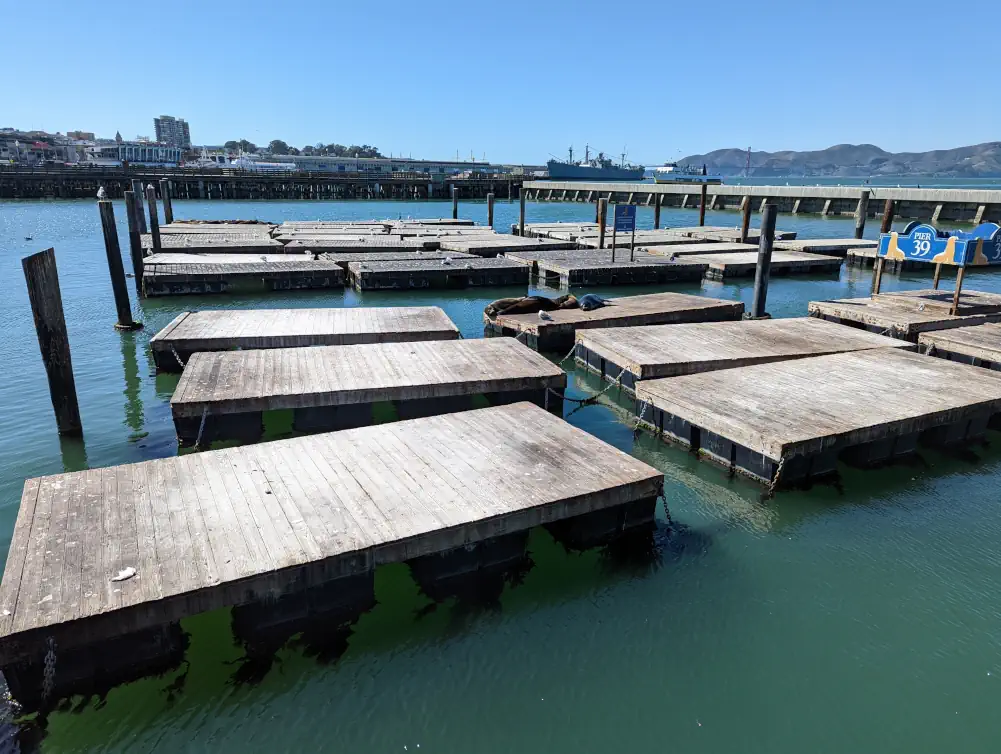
[(515, 81)]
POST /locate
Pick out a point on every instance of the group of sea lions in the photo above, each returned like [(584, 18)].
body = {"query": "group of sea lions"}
[(533, 304)]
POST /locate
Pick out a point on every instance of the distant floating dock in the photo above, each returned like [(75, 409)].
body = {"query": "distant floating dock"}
[(558, 333), (908, 314), (287, 533), (628, 354), (833, 246), (599, 269), (180, 274), (979, 345), (245, 329), (461, 273), (744, 263), (214, 243), (789, 421), (225, 395), (491, 246)]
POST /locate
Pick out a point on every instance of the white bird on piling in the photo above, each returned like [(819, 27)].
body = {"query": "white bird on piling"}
[(101, 193), (544, 316)]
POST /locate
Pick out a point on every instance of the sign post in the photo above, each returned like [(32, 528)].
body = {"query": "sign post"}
[(625, 221)]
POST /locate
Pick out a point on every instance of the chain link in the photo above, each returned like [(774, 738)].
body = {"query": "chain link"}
[(177, 356), (201, 427), (49, 672), (572, 350), (639, 419), (773, 485)]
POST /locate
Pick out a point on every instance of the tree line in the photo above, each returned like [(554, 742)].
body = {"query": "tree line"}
[(277, 146)]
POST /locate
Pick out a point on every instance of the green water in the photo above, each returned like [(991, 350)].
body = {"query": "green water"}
[(852, 618)]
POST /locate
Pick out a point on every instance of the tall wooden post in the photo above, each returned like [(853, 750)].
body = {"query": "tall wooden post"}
[(860, 213), (959, 290), (602, 221), (490, 209), (114, 253), (877, 275), (888, 212), (455, 202), (745, 220), (521, 210), (938, 276), (702, 205), (154, 221), (763, 269), (140, 192), (656, 211), (615, 228), (135, 241), (50, 326), (168, 207)]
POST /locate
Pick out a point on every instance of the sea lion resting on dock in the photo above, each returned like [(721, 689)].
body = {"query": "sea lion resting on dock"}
[(529, 305)]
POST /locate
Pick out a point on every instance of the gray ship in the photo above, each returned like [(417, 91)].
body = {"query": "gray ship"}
[(598, 169)]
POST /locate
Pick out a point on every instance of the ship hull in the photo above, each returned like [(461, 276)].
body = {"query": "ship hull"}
[(561, 171)]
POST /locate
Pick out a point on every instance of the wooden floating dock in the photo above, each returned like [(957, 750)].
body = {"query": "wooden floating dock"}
[(356, 244), (564, 231), (906, 316), (723, 233), (599, 269), (491, 246), (215, 243), (181, 274), (979, 345), (801, 416), (224, 395), (279, 529), (833, 246), (344, 259), (244, 329), (629, 354), (558, 333), (462, 273), (744, 263), (643, 238), (702, 248)]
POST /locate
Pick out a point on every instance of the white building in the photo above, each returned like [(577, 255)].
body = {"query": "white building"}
[(377, 165), (134, 152)]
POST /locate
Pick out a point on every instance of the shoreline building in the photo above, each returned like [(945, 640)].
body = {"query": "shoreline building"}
[(173, 132), (377, 165)]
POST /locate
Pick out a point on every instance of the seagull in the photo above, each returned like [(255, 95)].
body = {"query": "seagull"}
[(27, 238), (469, 266), (447, 260), (544, 316), (101, 193)]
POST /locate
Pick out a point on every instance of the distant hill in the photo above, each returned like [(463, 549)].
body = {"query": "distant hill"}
[(858, 160)]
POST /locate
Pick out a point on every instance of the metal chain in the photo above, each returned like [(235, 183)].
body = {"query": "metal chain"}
[(49, 672), (201, 427), (773, 485), (591, 399), (177, 356), (639, 419), (572, 350)]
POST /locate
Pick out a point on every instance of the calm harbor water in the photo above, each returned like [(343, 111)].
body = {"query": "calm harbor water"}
[(857, 617)]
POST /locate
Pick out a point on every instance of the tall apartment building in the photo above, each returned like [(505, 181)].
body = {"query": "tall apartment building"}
[(172, 131)]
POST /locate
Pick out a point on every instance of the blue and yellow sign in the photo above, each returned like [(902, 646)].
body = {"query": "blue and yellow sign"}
[(925, 243)]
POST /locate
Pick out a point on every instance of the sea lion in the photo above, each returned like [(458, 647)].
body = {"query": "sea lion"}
[(528, 305), (591, 301)]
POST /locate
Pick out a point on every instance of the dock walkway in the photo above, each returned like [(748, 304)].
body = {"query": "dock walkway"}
[(802, 415), (261, 524), (168, 274), (244, 329), (224, 395), (558, 333), (429, 273), (744, 264), (629, 354), (979, 345)]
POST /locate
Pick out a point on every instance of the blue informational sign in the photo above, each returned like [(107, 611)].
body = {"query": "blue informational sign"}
[(925, 243), (625, 218)]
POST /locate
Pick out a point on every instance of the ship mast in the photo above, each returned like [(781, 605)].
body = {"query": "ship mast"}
[(571, 155)]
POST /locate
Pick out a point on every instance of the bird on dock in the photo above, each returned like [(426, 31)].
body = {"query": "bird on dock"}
[(101, 193), (447, 260), (545, 316)]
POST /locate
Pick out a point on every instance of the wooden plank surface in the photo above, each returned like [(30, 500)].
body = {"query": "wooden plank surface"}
[(491, 246), (671, 350), (892, 316), (977, 342), (215, 243), (928, 299), (226, 329), (744, 263), (431, 273), (279, 378), (784, 408), (230, 526), (834, 246)]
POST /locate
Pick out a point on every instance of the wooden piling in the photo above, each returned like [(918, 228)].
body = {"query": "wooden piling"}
[(140, 192), (602, 221), (888, 212), (702, 205), (938, 276), (656, 211), (959, 290), (50, 325), (135, 241), (455, 202), (168, 207), (521, 211), (765, 240), (745, 221), (877, 276), (490, 209), (114, 253), (860, 213), (154, 221)]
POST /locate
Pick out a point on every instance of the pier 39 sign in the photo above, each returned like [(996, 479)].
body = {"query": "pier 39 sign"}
[(925, 243)]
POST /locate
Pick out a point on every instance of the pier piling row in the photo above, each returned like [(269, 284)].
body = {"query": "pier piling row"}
[(105, 562)]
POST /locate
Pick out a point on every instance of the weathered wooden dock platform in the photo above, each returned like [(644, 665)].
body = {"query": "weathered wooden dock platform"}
[(628, 354), (702, 248), (666, 237), (744, 263), (599, 269), (833, 246), (282, 531), (462, 273), (180, 274), (786, 422), (906, 317), (723, 233), (224, 395), (244, 329), (215, 243), (565, 231), (492, 245), (344, 259), (558, 333), (979, 345)]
